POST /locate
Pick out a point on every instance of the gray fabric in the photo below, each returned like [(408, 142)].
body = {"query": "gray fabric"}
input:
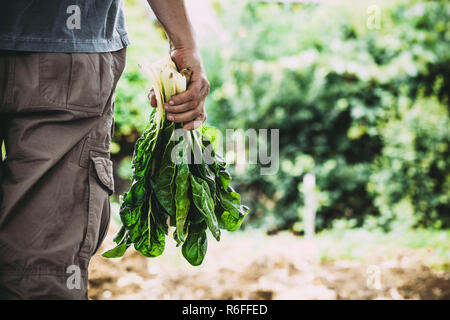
[(52, 25)]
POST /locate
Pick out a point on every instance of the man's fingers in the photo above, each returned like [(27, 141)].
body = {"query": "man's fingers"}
[(181, 107), (196, 91), (152, 98), (190, 94), (188, 106), (185, 116), (197, 122)]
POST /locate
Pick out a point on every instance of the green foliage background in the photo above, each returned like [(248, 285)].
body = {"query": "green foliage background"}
[(366, 111)]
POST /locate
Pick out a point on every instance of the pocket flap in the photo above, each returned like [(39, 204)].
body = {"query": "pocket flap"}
[(104, 169)]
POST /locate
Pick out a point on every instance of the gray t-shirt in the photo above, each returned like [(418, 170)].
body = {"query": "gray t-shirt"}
[(62, 25)]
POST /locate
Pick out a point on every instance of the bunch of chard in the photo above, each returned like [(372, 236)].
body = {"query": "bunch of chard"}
[(178, 180)]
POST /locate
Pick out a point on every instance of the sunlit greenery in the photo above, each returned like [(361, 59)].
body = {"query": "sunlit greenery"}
[(365, 110)]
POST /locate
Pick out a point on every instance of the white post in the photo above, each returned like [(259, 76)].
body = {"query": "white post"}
[(311, 204)]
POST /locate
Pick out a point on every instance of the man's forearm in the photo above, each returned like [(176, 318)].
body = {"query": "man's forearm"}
[(173, 17), (187, 107)]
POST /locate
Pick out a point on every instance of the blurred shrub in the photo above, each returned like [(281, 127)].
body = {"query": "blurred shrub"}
[(336, 90), (412, 175), (366, 111)]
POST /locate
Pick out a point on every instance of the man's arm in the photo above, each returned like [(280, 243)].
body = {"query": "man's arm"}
[(186, 107)]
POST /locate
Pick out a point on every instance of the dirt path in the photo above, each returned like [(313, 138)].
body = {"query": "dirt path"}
[(252, 266)]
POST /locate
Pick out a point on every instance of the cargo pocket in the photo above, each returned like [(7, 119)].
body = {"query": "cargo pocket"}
[(54, 78), (101, 186), (76, 81)]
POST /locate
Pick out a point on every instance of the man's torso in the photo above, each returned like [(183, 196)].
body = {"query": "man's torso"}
[(62, 25)]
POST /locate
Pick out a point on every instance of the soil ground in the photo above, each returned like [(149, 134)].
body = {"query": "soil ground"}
[(254, 266)]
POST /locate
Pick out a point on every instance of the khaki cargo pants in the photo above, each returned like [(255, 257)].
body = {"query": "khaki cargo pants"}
[(56, 119)]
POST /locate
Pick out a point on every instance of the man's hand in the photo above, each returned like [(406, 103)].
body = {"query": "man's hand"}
[(187, 107)]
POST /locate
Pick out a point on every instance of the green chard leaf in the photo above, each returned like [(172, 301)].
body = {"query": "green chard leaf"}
[(153, 234), (205, 204), (164, 183), (196, 196), (211, 134), (116, 252), (233, 212), (182, 201), (194, 249)]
